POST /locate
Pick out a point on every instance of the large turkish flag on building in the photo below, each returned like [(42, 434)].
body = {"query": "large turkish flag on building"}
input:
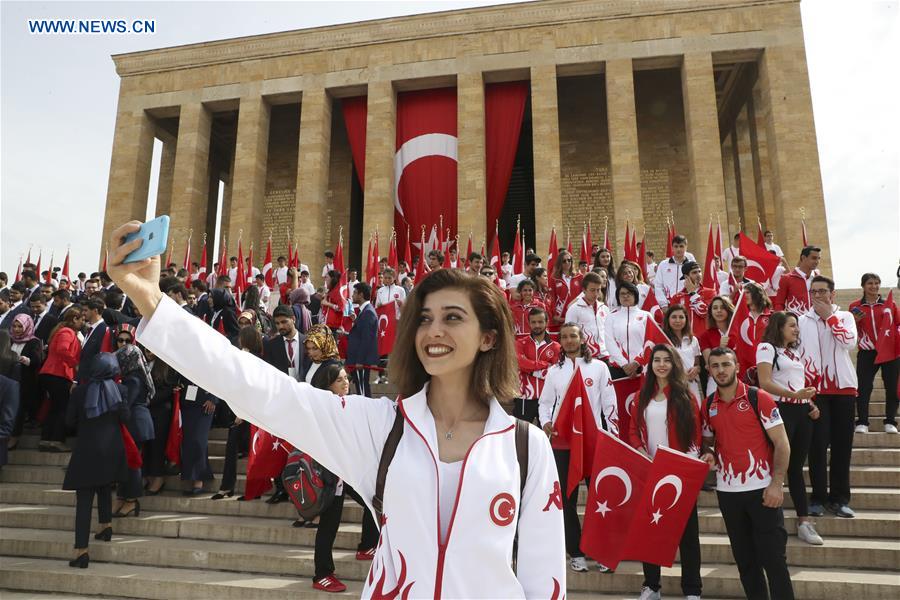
[(668, 498), (425, 163), (615, 486)]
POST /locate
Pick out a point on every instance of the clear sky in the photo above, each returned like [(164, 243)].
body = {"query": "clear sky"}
[(58, 104)]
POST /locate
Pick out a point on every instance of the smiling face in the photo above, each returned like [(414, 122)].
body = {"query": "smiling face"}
[(718, 310), (449, 336), (661, 364), (790, 332)]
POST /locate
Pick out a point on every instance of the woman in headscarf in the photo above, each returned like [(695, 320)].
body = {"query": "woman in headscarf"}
[(31, 358), (224, 314), (299, 299), (98, 408), (321, 349), (165, 380), (139, 389)]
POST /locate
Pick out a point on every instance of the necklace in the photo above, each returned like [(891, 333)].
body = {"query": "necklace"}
[(449, 434)]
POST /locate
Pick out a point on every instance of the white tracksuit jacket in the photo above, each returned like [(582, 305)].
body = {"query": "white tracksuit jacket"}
[(347, 436), (598, 383), (624, 329)]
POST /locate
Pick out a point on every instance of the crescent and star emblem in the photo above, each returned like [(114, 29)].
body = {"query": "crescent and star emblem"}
[(578, 402), (382, 331), (618, 473), (503, 509), (429, 144), (675, 482)]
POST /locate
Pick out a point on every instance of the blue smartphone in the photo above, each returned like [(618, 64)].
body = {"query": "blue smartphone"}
[(155, 234)]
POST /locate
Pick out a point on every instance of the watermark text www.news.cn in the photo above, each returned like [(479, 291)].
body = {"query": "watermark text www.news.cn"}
[(91, 26)]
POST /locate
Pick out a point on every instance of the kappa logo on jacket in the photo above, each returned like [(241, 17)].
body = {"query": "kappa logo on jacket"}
[(555, 498)]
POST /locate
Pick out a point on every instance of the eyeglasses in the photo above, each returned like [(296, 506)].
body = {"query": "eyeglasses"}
[(123, 340), (819, 292)]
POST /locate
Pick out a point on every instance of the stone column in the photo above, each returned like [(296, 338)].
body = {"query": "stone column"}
[(129, 172), (732, 218), (249, 176), (701, 126), (312, 178), (545, 132), (471, 180), (378, 187), (793, 154), (624, 159), (759, 147), (749, 193), (190, 179), (166, 174)]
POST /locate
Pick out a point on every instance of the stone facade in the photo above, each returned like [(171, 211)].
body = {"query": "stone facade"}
[(640, 110)]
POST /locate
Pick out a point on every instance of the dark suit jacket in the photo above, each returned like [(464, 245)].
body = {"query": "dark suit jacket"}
[(362, 344), (91, 347), (202, 310), (42, 331), (7, 319), (275, 354)]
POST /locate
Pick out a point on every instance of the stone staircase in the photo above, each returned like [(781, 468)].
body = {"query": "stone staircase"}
[(196, 548)]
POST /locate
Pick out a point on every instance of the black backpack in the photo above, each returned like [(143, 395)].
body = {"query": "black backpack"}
[(310, 486)]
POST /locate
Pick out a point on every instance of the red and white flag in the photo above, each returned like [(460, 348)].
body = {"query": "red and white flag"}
[(553, 251), (888, 344), (267, 270), (37, 267), (803, 233), (387, 327), (19, 271), (65, 269), (606, 242), (627, 390), (710, 272), (469, 250), (761, 264), (615, 486), (518, 257), (664, 506), (176, 434), (393, 259), (760, 236), (49, 277), (201, 272), (627, 250), (741, 336), (186, 263), (268, 455), (652, 306), (577, 427), (718, 238), (653, 335)]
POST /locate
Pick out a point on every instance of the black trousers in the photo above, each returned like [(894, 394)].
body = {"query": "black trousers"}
[(84, 502), (758, 540), (865, 373), (570, 506), (526, 409), (363, 385), (155, 449), (329, 521), (54, 429), (834, 429), (799, 429), (691, 585), (238, 440)]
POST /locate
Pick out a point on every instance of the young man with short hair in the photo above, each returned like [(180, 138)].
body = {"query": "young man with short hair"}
[(590, 313), (532, 262), (736, 279), (793, 287), (744, 437), (694, 297), (536, 353), (771, 246), (729, 253), (827, 336), (668, 279)]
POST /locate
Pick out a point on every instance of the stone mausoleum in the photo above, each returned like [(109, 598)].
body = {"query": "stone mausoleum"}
[(636, 109)]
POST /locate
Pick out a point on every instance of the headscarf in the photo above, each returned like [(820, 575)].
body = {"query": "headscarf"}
[(28, 326), (299, 299), (222, 299), (131, 361), (249, 315), (321, 337), (102, 392)]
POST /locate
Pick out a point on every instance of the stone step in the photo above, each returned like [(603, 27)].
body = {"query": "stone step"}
[(838, 551), (871, 524)]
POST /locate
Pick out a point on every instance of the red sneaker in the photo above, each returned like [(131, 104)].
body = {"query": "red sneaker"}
[(365, 554), (329, 583)]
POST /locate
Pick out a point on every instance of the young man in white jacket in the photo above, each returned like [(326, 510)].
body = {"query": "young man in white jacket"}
[(589, 311), (827, 335), (602, 397), (668, 280)]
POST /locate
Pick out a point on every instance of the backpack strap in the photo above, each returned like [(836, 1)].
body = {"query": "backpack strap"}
[(753, 399), (387, 455), (522, 453)]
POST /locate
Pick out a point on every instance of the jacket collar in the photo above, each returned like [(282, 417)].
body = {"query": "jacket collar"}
[(415, 409)]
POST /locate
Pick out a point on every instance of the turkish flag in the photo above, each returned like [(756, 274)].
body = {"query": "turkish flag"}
[(710, 272), (627, 389), (267, 271), (553, 251), (133, 457), (740, 333), (653, 335), (577, 427), (176, 434), (761, 264), (387, 327), (652, 306), (665, 504), (616, 484), (888, 344), (268, 455), (425, 161)]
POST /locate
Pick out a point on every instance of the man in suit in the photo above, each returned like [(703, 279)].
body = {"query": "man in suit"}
[(201, 307), (362, 344), (17, 292), (62, 301), (44, 322), (285, 352), (32, 286), (95, 332)]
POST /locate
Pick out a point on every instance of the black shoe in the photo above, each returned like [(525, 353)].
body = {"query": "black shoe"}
[(244, 499), (157, 491), (135, 510), (840, 510), (105, 535), (277, 497), (81, 562), (222, 494), (298, 523)]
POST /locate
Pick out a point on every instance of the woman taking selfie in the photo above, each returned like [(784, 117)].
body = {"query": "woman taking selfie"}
[(455, 472)]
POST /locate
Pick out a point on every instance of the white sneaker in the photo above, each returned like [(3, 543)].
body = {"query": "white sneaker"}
[(890, 428), (649, 594), (865, 429), (807, 533), (578, 564), (692, 598)]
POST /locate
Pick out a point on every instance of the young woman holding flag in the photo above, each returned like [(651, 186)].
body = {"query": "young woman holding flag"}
[(667, 414), (455, 362)]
